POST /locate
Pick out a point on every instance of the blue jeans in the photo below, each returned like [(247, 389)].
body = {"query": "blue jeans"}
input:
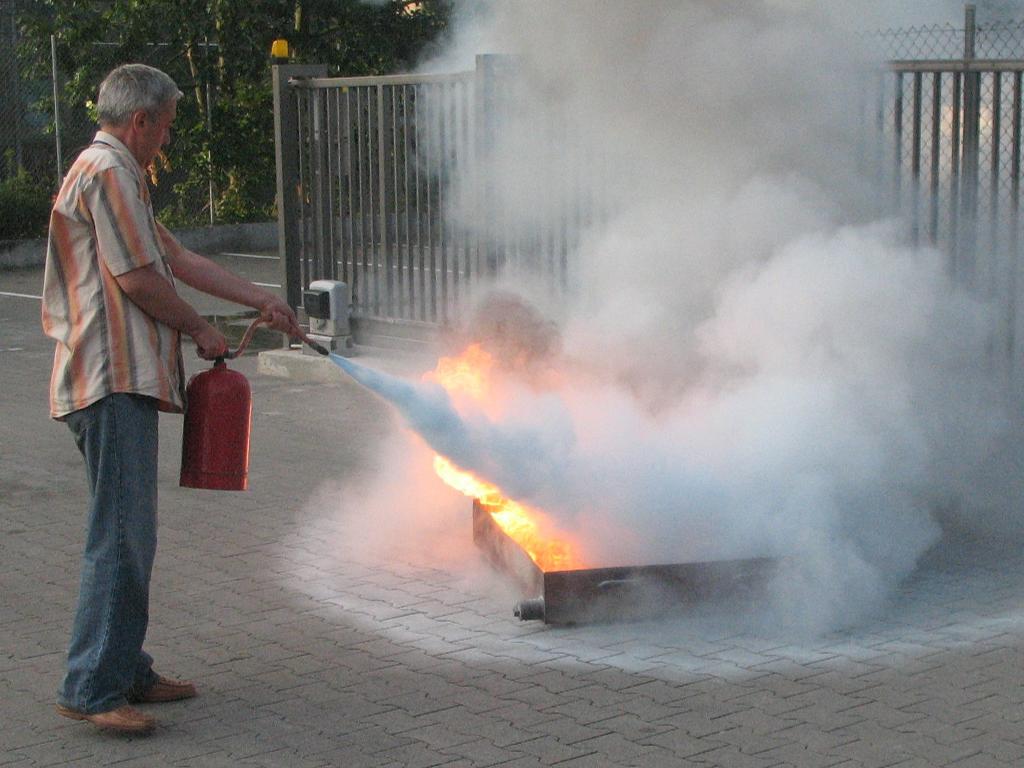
[(118, 436)]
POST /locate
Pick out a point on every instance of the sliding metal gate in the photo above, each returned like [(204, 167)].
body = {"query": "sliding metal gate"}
[(379, 186), (371, 167)]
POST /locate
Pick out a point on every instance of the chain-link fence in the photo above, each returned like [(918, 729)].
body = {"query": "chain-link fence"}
[(945, 124), (43, 128), (993, 39), (26, 131)]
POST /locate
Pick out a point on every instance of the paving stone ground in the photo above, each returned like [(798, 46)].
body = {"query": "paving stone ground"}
[(312, 650)]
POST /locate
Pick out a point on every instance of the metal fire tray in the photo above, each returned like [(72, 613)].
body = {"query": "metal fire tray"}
[(613, 594)]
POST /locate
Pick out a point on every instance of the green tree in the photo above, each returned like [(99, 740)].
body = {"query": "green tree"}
[(218, 53)]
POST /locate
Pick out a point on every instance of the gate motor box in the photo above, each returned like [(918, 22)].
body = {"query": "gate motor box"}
[(327, 306)]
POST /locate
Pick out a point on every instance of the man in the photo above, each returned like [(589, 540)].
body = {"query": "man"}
[(110, 303)]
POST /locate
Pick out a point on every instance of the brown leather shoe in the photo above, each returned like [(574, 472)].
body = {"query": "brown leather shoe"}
[(124, 719), (165, 689)]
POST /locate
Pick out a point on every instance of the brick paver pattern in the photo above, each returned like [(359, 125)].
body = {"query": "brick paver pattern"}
[(311, 651)]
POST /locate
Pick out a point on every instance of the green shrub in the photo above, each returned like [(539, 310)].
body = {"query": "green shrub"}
[(24, 208)]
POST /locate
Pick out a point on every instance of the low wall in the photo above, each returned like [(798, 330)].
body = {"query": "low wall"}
[(21, 254), (230, 237), (24, 254)]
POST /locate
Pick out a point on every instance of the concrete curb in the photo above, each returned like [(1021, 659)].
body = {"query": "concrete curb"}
[(293, 364)]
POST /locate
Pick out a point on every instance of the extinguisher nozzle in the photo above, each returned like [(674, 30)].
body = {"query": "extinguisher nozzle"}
[(319, 348)]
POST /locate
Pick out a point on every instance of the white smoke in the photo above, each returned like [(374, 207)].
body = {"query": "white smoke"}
[(754, 362)]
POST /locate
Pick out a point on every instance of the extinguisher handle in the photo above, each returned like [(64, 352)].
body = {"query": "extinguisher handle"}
[(246, 338)]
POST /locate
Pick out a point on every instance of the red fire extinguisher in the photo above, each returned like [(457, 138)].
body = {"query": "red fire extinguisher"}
[(218, 417)]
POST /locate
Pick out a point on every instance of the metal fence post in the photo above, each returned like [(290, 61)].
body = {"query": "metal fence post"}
[(289, 188), (1015, 252), (16, 124), (209, 133), (383, 256), (484, 111), (970, 144), (323, 241), (56, 110)]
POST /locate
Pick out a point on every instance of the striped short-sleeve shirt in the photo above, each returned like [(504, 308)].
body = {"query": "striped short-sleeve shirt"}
[(102, 226)]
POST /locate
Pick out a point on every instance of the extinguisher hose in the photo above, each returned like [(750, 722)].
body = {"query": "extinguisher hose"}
[(247, 337)]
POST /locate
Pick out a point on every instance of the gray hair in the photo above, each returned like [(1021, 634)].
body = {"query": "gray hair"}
[(132, 87)]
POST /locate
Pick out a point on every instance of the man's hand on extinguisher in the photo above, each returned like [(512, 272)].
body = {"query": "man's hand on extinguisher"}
[(210, 343)]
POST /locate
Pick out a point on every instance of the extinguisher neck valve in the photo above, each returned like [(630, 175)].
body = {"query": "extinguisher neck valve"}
[(218, 362)]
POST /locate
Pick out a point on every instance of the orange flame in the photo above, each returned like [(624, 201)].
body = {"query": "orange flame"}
[(469, 374), (529, 528)]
